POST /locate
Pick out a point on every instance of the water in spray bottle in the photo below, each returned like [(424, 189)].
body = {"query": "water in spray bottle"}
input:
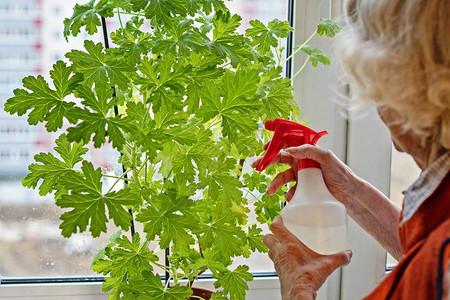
[(313, 215)]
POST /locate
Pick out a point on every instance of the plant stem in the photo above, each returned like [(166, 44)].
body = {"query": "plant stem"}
[(248, 192), (299, 48), (191, 282), (121, 177), (120, 19), (144, 164), (135, 172), (167, 284), (161, 266), (303, 66), (109, 176), (130, 13), (214, 123), (146, 168), (278, 52)]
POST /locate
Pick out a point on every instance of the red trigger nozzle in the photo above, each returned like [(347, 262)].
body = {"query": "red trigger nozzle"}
[(286, 134)]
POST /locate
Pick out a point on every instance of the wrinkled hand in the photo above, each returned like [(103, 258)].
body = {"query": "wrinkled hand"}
[(301, 271), (340, 180)]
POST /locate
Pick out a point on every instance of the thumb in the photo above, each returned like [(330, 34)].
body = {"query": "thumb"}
[(340, 259)]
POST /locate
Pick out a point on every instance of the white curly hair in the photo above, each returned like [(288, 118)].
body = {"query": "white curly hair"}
[(397, 53)]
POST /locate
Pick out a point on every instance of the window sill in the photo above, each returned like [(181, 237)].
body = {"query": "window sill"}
[(262, 287)]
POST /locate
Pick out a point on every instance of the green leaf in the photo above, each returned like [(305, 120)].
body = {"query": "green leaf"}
[(263, 37), (169, 219), (219, 295), (47, 105), (88, 203), (328, 27), (95, 120), (225, 25), (226, 42), (183, 40), (132, 257), (222, 233), (220, 180), (122, 4), (233, 107), (278, 101), (97, 67), (162, 11), (104, 266), (181, 156), (235, 282), (133, 43), (217, 5), (50, 169), (316, 55), (268, 207), (256, 181), (165, 79), (152, 289), (254, 239), (86, 15)]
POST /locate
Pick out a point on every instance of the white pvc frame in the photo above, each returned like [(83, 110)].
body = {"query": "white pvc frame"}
[(361, 140)]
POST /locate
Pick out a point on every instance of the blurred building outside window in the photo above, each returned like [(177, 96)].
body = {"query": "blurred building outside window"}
[(31, 40)]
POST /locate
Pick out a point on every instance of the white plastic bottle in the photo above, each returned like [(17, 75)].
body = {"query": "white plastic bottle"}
[(314, 216)]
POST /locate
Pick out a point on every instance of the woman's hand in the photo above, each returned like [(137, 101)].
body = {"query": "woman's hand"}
[(301, 271), (340, 180)]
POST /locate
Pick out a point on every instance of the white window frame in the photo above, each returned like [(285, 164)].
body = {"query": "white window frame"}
[(260, 288), (362, 142)]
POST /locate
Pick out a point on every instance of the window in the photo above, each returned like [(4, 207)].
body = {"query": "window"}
[(33, 248), (315, 91)]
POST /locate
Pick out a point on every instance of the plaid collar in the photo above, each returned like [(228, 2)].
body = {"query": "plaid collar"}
[(425, 185)]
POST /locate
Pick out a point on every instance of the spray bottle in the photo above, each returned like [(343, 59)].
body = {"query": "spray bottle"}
[(313, 215)]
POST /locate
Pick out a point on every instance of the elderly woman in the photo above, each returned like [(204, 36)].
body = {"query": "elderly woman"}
[(396, 53)]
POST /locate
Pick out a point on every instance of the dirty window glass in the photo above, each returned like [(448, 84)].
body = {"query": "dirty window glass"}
[(31, 40)]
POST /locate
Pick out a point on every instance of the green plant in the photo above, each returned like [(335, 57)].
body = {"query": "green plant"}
[(181, 97)]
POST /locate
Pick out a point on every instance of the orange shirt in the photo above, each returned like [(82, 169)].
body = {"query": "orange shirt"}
[(425, 241)]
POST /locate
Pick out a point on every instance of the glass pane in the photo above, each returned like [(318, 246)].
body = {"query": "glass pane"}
[(31, 40), (404, 172), (31, 245)]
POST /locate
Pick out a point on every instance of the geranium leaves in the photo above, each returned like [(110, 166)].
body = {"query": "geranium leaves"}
[(46, 104), (182, 94), (95, 118), (50, 168), (97, 67), (88, 203), (266, 37), (86, 15)]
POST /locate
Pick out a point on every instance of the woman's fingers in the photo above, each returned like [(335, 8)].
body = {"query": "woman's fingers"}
[(270, 241), (256, 162), (280, 180), (280, 231), (322, 156), (337, 260), (281, 158), (288, 196), (284, 158)]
